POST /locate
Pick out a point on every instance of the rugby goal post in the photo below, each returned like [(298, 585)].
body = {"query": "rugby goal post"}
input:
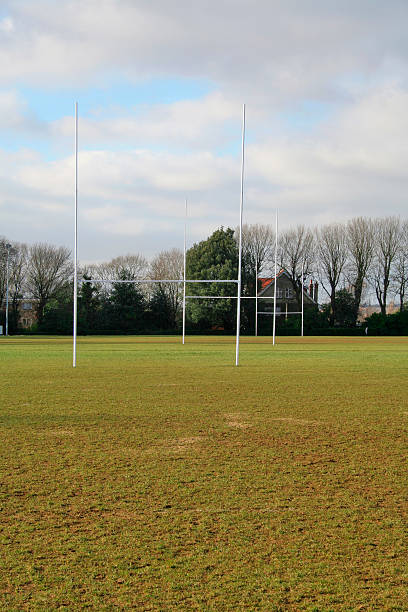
[(238, 281)]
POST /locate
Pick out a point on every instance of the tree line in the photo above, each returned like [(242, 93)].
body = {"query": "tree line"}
[(352, 261)]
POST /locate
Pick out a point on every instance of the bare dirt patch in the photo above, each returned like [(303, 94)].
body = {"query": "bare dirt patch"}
[(237, 420), (184, 443), (57, 432), (297, 421), (174, 446)]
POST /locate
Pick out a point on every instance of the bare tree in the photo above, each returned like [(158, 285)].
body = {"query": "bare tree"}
[(360, 238), (257, 242), (49, 269), (257, 245), (98, 272), (169, 265), (296, 251), (133, 266), (18, 269), (387, 243), (400, 276), (332, 257), (16, 254)]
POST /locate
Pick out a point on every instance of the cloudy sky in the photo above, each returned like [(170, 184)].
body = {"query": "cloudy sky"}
[(160, 87)]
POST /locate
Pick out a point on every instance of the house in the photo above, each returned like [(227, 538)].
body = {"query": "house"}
[(286, 300), (27, 314), (366, 310)]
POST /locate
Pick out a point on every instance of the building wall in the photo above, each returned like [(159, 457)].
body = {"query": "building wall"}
[(285, 297), (27, 313), (367, 311)]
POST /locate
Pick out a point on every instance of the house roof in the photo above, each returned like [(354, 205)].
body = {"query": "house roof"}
[(266, 283)]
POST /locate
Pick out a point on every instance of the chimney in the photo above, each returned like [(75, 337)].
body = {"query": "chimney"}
[(311, 288), (316, 291)]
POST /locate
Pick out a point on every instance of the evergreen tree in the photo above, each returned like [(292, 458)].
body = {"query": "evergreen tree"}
[(88, 305), (214, 258), (161, 315), (126, 305)]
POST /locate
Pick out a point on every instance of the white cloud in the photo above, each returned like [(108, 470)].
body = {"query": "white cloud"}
[(273, 55), (197, 124), (266, 51), (12, 108), (6, 25), (353, 164), (120, 194)]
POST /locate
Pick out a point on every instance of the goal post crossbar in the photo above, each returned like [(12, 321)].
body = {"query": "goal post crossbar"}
[(233, 297), (278, 314), (195, 297), (151, 281)]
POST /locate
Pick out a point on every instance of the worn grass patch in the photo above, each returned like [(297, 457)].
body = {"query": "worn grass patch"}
[(161, 477)]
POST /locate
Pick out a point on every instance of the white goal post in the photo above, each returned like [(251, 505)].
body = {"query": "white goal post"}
[(184, 280), (238, 281)]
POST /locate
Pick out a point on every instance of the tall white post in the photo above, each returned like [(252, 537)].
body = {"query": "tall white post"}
[(184, 276), (256, 298), (276, 272), (240, 239), (75, 241), (303, 291), (8, 247)]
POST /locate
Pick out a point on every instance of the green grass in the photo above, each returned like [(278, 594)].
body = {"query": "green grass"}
[(161, 477)]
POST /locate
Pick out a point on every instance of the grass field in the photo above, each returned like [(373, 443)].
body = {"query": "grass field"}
[(161, 477)]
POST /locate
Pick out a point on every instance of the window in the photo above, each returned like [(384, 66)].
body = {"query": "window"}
[(279, 293), (27, 306), (288, 292)]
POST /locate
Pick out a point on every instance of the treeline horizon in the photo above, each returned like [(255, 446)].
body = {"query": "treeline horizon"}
[(350, 260)]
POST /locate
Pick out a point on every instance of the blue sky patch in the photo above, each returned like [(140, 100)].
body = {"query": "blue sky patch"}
[(119, 98), (307, 115)]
